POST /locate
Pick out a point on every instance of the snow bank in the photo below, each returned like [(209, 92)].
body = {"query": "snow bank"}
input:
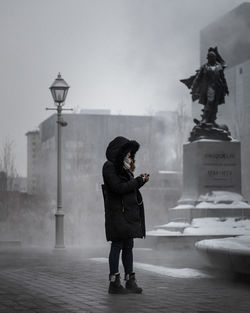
[(206, 226), (176, 224), (233, 205), (183, 207), (217, 200), (221, 197), (239, 244), (217, 226), (172, 225), (163, 232)]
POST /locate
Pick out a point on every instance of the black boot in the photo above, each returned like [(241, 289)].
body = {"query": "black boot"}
[(115, 286), (131, 284)]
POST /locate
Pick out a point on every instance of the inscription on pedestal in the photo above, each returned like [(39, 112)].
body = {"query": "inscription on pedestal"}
[(219, 170), (210, 166)]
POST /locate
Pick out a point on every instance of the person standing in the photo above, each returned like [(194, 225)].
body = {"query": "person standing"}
[(124, 211)]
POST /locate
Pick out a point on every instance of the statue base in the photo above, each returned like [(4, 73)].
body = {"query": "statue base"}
[(211, 204), (210, 131), (211, 181)]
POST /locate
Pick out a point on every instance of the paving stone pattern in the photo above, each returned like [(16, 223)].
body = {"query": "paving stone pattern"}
[(69, 282)]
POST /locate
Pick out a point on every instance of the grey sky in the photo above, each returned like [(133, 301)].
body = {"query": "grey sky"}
[(123, 55)]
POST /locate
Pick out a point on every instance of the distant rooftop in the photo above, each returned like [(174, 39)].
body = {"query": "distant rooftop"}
[(95, 111), (32, 132)]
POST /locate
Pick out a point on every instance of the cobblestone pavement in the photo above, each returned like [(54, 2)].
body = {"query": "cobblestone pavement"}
[(68, 281)]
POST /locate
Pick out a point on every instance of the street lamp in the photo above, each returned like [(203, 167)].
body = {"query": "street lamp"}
[(59, 90)]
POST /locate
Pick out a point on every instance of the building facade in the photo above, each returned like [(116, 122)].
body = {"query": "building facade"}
[(33, 155), (84, 143), (231, 34), (86, 137)]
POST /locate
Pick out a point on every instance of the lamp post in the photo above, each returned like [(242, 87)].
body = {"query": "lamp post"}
[(59, 90)]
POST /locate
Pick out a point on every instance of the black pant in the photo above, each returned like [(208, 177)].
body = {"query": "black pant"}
[(127, 256)]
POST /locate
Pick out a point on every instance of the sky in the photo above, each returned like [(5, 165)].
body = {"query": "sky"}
[(122, 55)]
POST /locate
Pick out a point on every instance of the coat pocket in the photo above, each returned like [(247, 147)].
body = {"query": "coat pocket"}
[(130, 207), (131, 214)]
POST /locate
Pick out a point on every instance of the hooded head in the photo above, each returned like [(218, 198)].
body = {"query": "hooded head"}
[(211, 57), (118, 148)]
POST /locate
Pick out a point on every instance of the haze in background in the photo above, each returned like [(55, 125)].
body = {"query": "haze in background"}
[(123, 55)]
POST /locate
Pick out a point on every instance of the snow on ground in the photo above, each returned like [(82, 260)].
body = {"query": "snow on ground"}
[(221, 197), (217, 200), (208, 226), (143, 249), (176, 224), (184, 206), (162, 270), (212, 205), (232, 244), (163, 232), (171, 272), (217, 226)]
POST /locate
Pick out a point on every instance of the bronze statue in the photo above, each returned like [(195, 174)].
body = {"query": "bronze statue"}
[(209, 86)]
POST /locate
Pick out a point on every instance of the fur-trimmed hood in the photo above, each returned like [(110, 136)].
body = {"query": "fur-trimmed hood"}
[(118, 149)]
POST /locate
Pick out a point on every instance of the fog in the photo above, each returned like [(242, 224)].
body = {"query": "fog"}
[(122, 55), (127, 56)]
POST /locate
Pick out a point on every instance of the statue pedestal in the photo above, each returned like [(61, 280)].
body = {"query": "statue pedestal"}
[(208, 166), (211, 182), (211, 204)]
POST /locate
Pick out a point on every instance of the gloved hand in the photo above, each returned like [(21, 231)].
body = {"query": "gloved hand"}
[(145, 177)]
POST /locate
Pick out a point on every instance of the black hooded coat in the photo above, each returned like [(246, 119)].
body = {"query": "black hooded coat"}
[(124, 210)]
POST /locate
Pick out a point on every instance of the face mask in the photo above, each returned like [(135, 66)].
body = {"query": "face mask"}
[(128, 160)]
